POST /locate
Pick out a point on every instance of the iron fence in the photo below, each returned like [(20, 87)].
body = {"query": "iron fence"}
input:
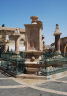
[(52, 63), (13, 62)]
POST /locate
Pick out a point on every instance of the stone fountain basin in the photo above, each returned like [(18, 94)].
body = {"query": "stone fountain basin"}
[(32, 64), (33, 70), (33, 52), (32, 67)]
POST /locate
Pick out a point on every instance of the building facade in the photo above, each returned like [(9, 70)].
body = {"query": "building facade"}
[(6, 34), (7, 40), (63, 44)]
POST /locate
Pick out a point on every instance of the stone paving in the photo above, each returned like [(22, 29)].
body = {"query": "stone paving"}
[(10, 86)]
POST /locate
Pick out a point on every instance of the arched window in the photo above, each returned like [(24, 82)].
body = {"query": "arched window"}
[(21, 39)]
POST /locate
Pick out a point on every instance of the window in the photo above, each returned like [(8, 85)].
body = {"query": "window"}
[(21, 39), (11, 37)]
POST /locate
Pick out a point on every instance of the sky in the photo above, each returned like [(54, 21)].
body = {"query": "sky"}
[(16, 13)]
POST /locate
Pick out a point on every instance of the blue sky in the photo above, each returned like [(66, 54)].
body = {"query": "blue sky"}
[(16, 13)]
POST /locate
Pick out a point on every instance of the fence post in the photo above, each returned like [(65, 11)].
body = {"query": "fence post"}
[(45, 65), (17, 65), (7, 62), (1, 58)]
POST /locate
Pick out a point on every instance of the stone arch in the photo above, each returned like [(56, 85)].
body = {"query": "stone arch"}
[(65, 48), (22, 41)]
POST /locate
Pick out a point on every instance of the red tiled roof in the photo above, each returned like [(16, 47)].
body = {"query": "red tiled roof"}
[(11, 29)]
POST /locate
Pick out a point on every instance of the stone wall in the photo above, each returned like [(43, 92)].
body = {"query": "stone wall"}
[(63, 42), (11, 38)]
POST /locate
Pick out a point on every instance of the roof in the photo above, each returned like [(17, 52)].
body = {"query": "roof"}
[(63, 37), (52, 44), (11, 29)]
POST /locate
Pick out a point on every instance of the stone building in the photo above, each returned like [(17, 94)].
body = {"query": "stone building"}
[(63, 44), (6, 34)]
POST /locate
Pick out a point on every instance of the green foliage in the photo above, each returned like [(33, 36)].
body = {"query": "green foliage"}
[(3, 25)]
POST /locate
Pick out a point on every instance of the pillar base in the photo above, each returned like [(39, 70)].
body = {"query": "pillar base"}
[(17, 52), (58, 52)]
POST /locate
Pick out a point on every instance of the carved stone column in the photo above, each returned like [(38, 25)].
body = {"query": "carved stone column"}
[(17, 35), (17, 44), (43, 43), (57, 34)]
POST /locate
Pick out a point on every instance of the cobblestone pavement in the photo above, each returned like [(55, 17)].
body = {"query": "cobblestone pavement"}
[(10, 86)]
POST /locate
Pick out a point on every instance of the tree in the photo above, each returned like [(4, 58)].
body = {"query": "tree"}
[(3, 25)]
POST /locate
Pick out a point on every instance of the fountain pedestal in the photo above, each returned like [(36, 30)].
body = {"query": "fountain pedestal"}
[(33, 45)]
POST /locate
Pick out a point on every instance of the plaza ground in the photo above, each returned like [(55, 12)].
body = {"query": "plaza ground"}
[(10, 86)]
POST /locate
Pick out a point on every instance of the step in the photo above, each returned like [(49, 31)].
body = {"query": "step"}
[(29, 76)]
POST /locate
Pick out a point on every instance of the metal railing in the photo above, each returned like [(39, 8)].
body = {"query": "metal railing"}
[(13, 62), (52, 63)]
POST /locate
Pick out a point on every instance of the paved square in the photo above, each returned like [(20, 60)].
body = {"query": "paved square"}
[(59, 86), (14, 87), (3, 74), (25, 92), (8, 82), (63, 79)]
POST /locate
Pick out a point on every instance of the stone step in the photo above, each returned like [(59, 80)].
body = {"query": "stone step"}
[(29, 76)]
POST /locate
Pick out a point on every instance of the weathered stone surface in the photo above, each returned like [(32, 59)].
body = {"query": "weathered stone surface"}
[(33, 42), (57, 34), (16, 36)]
